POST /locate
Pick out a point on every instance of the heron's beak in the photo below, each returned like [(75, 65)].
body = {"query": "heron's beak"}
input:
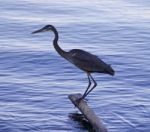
[(38, 31)]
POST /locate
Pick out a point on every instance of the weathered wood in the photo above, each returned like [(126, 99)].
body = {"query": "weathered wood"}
[(88, 113)]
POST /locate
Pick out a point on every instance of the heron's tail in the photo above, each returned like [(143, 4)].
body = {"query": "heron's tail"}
[(110, 70)]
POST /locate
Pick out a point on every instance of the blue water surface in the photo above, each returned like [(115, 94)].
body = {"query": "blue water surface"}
[(35, 81)]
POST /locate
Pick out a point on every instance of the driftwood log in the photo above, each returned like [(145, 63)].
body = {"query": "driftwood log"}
[(88, 113)]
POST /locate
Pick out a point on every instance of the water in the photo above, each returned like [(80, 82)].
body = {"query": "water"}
[(35, 81)]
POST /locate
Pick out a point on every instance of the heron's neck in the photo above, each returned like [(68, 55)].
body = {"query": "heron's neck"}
[(56, 46)]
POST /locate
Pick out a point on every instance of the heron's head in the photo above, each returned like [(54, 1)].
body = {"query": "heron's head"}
[(45, 29)]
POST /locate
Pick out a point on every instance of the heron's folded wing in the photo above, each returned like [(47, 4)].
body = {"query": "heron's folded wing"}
[(87, 61)]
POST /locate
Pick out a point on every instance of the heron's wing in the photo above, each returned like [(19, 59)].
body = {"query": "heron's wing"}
[(87, 61)]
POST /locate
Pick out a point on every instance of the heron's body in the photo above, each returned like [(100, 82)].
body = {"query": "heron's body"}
[(81, 59), (88, 62)]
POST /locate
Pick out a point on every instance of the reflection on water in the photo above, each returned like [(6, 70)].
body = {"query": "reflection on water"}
[(35, 81)]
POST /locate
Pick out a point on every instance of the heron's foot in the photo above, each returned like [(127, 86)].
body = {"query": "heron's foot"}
[(80, 99)]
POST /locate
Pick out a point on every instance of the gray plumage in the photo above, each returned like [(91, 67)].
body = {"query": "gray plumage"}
[(89, 62), (85, 61)]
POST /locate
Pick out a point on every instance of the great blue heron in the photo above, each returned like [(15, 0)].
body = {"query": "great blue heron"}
[(85, 61)]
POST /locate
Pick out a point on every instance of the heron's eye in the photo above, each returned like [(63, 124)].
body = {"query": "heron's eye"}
[(47, 28)]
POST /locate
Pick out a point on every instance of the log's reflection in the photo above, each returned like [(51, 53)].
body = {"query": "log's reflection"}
[(82, 121)]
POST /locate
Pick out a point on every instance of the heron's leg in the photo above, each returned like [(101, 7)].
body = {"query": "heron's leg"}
[(95, 84), (88, 75)]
